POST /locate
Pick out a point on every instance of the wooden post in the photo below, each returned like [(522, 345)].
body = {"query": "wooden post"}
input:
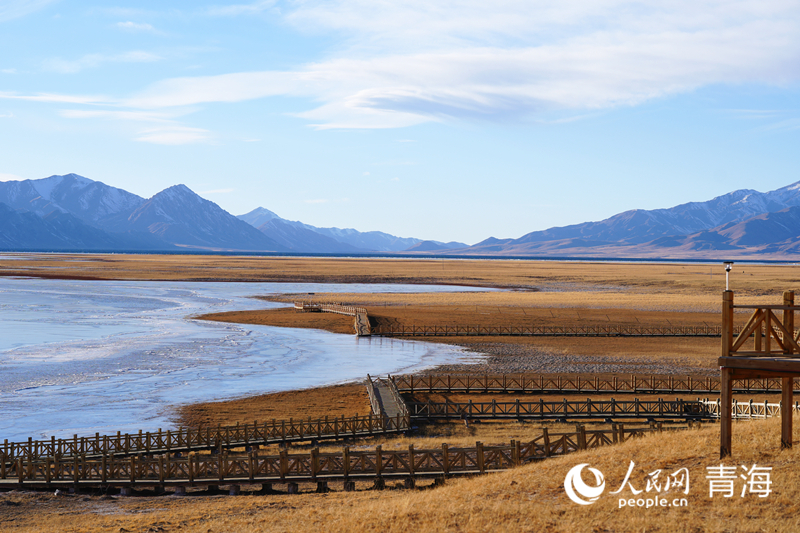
[(546, 440), (788, 318), (727, 323), (786, 408), (378, 461), (726, 394), (481, 465), (581, 430)]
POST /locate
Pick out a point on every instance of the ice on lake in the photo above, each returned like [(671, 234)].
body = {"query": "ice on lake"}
[(79, 357)]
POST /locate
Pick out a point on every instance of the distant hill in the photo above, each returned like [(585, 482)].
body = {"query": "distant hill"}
[(180, 217), (744, 222), (336, 240), (71, 212), (24, 230), (90, 201)]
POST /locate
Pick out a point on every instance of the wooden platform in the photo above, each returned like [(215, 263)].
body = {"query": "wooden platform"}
[(775, 353)]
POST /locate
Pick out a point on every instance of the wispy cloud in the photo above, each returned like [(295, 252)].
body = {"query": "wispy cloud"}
[(416, 62), (12, 9), (240, 9), (59, 98), (137, 27), (137, 116), (95, 60), (174, 135), (10, 177), (789, 124), (318, 201), (7, 115), (405, 63), (8, 70)]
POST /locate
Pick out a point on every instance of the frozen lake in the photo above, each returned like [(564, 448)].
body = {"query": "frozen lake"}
[(106, 356)]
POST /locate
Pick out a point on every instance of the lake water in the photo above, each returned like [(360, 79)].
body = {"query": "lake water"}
[(105, 356)]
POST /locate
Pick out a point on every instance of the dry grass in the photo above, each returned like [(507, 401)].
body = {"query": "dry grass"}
[(687, 279), (338, 400), (529, 498)]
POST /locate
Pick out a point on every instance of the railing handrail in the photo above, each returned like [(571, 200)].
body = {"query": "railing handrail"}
[(545, 384), (545, 330), (199, 469), (188, 439)]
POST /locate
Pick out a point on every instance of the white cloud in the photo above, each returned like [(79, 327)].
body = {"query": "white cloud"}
[(240, 9), (137, 116), (10, 177), (414, 62), (58, 98), (175, 135), (12, 9), (405, 63), (8, 71), (7, 115), (136, 27), (95, 60)]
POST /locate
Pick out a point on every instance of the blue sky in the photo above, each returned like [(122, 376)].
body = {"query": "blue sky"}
[(451, 120)]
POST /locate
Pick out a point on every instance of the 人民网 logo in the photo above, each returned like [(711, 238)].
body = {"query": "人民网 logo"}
[(580, 492)]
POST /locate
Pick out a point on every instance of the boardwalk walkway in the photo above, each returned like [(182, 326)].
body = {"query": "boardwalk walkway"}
[(254, 468), (612, 330), (566, 384), (361, 319)]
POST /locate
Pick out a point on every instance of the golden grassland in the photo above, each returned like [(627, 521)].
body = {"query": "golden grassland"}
[(528, 498), (687, 279)]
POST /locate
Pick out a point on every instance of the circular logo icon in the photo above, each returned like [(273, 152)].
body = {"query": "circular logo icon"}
[(580, 492)]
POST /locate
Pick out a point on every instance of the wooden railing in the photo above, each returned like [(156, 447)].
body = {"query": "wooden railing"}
[(360, 323), (562, 410), (398, 398), (374, 403), (611, 330), (749, 410), (219, 438), (542, 384), (330, 308), (253, 467)]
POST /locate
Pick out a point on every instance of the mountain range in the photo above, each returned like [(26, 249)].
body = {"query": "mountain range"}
[(740, 223), (71, 212)]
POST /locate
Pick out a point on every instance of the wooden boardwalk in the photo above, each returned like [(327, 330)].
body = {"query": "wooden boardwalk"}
[(361, 318), (610, 330), (80, 472), (565, 410), (548, 384), (385, 399), (215, 439)]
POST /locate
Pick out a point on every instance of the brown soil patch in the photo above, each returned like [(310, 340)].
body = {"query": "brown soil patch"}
[(338, 400), (287, 318)]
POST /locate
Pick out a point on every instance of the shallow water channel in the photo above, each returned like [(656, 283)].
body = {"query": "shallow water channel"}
[(79, 357)]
